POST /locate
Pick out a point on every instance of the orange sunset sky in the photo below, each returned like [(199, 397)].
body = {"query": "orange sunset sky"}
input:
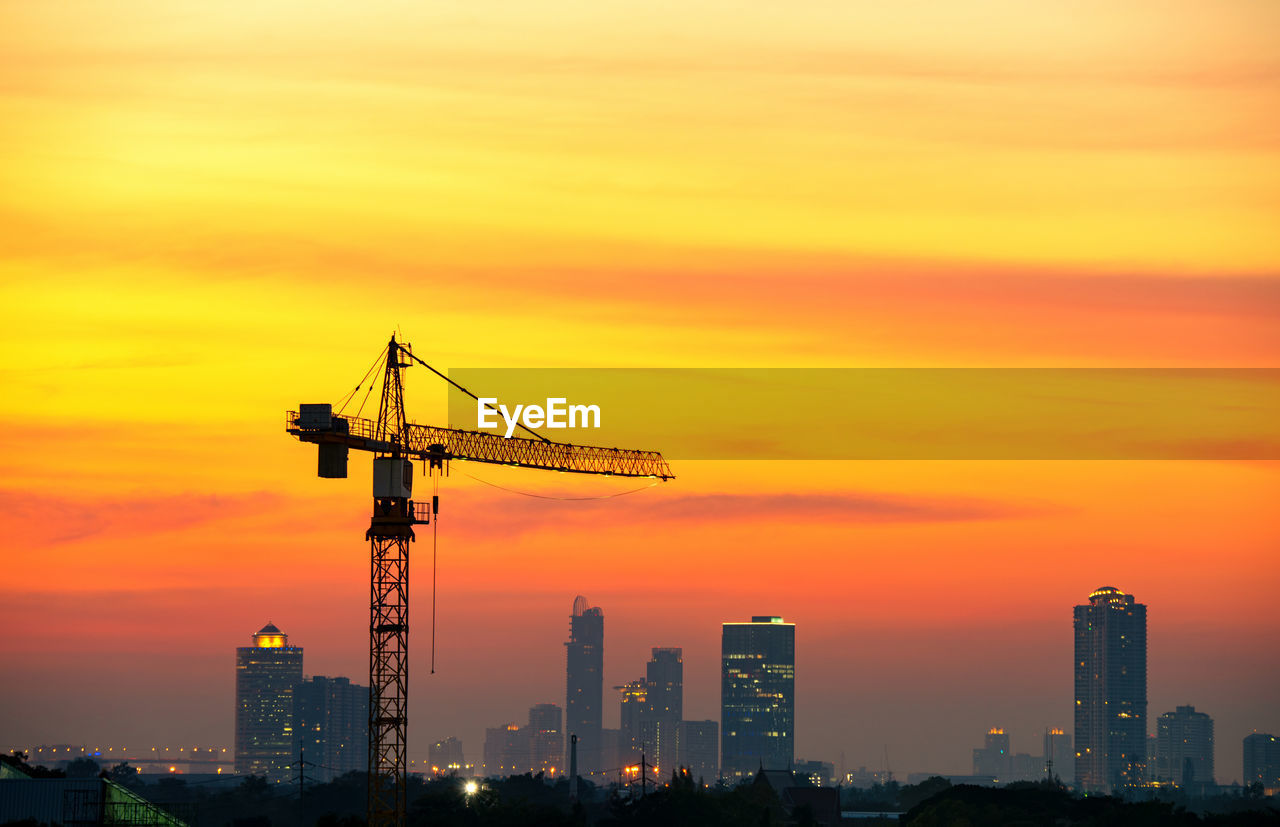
[(211, 212)]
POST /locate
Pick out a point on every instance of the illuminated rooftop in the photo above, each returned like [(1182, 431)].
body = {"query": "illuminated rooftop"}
[(269, 637), (1109, 595)]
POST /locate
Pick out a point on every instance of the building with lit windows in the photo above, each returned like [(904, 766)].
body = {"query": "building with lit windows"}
[(993, 759), (331, 724), (1184, 747), (584, 695), (506, 751), (663, 708), (267, 673), (1262, 761), (630, 710), (757, 696), (445, 757), (546, 740), (1110, 692)]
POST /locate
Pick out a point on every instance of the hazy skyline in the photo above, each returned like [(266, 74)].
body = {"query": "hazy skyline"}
[(212, 214)]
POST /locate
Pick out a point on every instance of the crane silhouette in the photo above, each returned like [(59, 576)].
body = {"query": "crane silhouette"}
[(395, 444)]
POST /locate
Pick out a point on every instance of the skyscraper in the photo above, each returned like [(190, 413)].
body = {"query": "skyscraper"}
[(266, 675), (1262, 761), (663, 708), (1110, 692), (1184, 747), (700, 750), (1058, 758), (546, 740), (445, 756), (994, 759), (584, 698), (630, 710), (331, 722), (757, 696)]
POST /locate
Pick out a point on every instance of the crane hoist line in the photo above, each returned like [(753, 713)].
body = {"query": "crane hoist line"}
[(395, 444)]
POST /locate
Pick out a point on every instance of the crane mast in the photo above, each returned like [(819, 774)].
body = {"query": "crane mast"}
[(395, 443)]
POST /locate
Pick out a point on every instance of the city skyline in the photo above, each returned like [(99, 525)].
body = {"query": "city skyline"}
[(536, 745)]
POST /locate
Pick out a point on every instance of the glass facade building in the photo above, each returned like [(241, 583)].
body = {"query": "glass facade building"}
[(267, 673), (331, 723), (584, 696), (757, 696), (1110, 692)]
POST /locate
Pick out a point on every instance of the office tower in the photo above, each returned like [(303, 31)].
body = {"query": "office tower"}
[(331, 722), (1184, 747), (994, 760), (546, 741), (506, 751), (1262, 761), (700, 750), (584, 698), (445, 757), (663, 708), (757, 696), (630, 711), (266, 674), (1110, 692), (1058, 758)]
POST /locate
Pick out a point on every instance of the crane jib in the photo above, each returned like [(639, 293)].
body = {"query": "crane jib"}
[(427, 442)]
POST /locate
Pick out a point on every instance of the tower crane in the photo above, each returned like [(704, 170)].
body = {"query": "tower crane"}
[(395, 444)]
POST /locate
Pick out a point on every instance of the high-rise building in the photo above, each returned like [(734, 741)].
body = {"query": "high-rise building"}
[(700, 750), (331, 723), (546, 740), (663, 708), (757, 696), (266, 675), (1110, 692), (1262, 761), (630, 711), (1059, 761), (1184, 747), (445, 757), (993, 759), (584, 698), (506, 751)]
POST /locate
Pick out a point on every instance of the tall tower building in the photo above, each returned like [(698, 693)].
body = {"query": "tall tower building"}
[(546, 740), (1059, 761), (266, 675), (994, 759), (700, 750), (663, 708), (631, 710), (1110, 692), (757, 696), (331, 723), (584, 698), (1184, 747), (1262, 761)]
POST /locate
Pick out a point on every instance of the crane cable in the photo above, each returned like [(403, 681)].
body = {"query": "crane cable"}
[(435, 544), (464, 390), (549, 497), (346, 400)]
